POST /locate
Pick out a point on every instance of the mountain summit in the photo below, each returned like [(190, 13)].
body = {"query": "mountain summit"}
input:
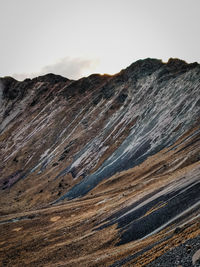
[(103, 170)]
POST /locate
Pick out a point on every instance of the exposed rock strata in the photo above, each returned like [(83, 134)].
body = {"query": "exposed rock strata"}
[(111, 161)]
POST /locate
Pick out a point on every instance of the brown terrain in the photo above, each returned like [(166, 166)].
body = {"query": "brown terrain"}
[(103, 171)]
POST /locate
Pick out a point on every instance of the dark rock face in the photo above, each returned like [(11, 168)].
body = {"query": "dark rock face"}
[(85, 85), (9, 88), (121, 98), (178, 65), (51, 78), (14, 89), (142, 68)]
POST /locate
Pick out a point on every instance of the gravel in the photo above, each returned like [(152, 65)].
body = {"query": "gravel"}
[(180, 256)]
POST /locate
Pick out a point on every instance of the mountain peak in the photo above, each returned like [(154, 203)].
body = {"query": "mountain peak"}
[(51, 78), (175, 63)]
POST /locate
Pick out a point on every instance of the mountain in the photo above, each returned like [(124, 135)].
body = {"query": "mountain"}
[(101, 171)]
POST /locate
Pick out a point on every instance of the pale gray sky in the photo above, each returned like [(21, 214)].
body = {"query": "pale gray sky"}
[(78, 37)]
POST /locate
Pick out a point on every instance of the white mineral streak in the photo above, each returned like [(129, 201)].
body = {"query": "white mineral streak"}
[(186, 181), (160, 115), (172, 220)]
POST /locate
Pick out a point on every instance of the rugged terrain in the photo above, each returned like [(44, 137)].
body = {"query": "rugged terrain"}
[(102, 171)]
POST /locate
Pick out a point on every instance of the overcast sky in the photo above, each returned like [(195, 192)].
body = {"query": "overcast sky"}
[(79, 37)]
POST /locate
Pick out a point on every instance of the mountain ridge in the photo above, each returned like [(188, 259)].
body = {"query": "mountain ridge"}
[(108, 159)]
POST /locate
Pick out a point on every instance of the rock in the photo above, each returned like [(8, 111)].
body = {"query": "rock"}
[(196, 257), (121, 98), (142, 68), (178, 229), (51, 78)]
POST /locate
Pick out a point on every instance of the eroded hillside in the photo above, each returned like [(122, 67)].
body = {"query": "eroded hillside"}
[(100, 171)]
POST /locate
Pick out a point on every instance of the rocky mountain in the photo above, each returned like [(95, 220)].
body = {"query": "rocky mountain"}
[(102, 171)]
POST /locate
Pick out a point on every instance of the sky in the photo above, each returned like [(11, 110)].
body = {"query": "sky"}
[(75, 38)]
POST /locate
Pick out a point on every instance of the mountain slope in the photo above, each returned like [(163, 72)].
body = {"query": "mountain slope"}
[(110, 160)]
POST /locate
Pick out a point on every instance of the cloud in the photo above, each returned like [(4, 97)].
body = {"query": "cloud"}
[(22, 76), (72, 68)]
